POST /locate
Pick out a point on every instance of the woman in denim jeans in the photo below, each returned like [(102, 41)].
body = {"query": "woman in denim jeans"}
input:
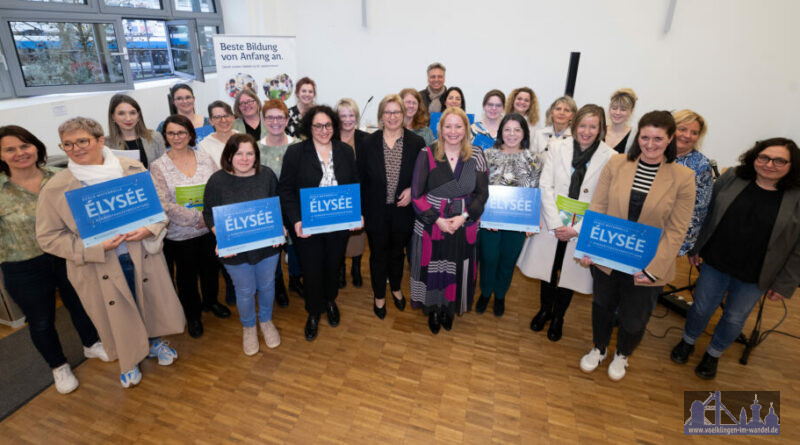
[(750, 245)]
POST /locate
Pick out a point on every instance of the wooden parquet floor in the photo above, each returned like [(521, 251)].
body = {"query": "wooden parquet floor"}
[(371, 381)]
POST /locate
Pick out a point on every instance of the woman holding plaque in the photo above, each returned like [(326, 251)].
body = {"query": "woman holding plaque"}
[(571, 169), (321, 160), (511, 164), (30, 275), (305, 93), (523, 101), (557, 120), (386, 164), (347, 109), (416, 119), (126, 130), (247, 109), (122, 282), (646, 186), (242, 178), (449, 188), (180, 177), (750, 245)]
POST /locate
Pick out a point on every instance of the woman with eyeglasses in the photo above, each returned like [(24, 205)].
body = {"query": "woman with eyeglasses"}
[(750, 245), (222, 119), (126, 130), (493, 103), (30, 275), (182, 102), (321, 160), (386, 165), (305, 93), (188, 245), (247, 109), (272, 148), (347, 109), (122, 282)]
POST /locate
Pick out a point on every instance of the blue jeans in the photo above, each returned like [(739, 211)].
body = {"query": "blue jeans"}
[(249, 278), (710, 288)]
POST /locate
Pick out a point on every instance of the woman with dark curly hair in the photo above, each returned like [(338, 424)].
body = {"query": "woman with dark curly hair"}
[(750, 245), (321, 160)]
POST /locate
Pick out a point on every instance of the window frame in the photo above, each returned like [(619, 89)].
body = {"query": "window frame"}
[(15, 67), (217, 14), (208, 69), (165, 12), (194, 49), (6, 88), (90, 6)]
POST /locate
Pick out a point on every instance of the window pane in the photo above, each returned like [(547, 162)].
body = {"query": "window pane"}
[(181, 50), (72, 2), (195, 5), (66, 53), (147, 4), (147, 48), (207, 44)]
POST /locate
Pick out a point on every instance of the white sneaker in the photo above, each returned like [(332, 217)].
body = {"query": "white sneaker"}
[(131, 378), (161, 350), (616, 370), (592, 360), (271, 336), (250, 340), (65, 379), (96, 351)]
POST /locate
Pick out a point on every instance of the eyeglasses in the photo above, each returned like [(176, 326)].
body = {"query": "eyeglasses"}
[(392, 113), (221, 116), (274, 118), (777, 162), (80, 143), (320, 127), (247, 103), (488, 105), (177, 134)]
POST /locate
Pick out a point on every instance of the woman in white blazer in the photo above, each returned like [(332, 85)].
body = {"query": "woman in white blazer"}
[(572, 168), (557, 124)]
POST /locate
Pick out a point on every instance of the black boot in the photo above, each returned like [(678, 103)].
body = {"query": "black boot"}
[(355, 271), (707, 369), (547, 297), (342, 276), (446, 319), (539, 320), (434, 322), (296, 285), (281, 297), (681, 352), (480, 306)]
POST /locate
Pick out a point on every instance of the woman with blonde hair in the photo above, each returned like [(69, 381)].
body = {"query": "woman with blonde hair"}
[(523, 101), (620, 110), (557, 120), (247, 109), (416, 119), (449, 189)]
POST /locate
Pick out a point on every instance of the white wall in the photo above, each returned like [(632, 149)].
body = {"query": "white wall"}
[(726, 59)]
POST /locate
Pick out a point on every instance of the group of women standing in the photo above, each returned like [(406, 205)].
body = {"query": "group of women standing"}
[(422, 200)]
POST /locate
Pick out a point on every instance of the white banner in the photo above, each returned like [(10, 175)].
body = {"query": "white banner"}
[(264, 64)]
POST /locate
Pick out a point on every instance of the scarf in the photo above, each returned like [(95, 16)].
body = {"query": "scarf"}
[(437, 102), (95, 174), (580, 161)]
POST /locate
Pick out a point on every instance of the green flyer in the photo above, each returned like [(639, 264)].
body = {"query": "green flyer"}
[(570, 210), (190, 196)]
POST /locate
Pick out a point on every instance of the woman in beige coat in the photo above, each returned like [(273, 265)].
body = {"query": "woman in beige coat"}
[(123, 282)]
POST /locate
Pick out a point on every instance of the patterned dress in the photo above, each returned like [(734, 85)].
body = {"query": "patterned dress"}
[(704, 183), (514, 169), (444, 266)]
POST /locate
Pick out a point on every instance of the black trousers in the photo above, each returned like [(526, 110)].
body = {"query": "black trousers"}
[(555, 299), (321, 256), (32, 284), (616, 294), (194, 258), (387, 244)]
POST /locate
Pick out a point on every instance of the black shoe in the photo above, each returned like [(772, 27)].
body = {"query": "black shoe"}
[(399, 303), (446, 319), (342, 276), (480, 306), (434, 323), (539, 320), (281, 297), (681, 352), (554, 333), (296, 285), (195, 328), (312, 327), (355, 271), (219, 310), (379, 311), (333, 314), (707, 369), (499, 307)]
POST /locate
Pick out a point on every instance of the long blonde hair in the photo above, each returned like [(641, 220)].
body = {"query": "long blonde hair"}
[(533, 111), (466, 145)]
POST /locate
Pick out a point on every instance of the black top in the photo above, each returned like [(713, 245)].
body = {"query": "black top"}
[(224, 188), (254, 132), (301, 169), (739, 243), (620, 147), (137, 145), (372, 171)]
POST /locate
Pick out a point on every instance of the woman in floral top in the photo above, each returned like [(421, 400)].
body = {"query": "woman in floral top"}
[(511, 163)]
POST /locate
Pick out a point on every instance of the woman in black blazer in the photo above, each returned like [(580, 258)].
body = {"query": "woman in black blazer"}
[(320, 160), (386, 165)]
